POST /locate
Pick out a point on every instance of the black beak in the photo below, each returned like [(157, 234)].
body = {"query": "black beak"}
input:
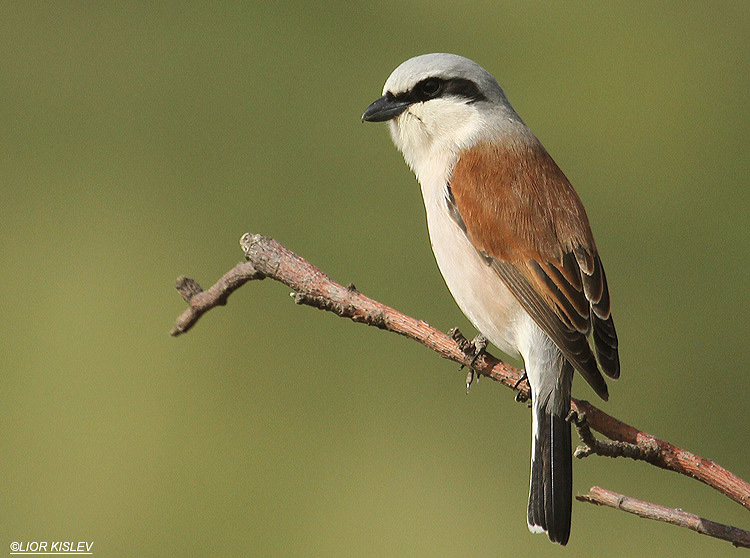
[(385, 108)]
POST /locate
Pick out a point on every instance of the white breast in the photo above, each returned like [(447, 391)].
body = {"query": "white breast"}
[(430, 135), (477, 289)]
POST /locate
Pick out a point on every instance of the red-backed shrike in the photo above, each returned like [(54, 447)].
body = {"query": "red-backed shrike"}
[(514, 245)]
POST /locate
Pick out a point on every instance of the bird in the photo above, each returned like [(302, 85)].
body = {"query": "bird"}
[(513, 242)]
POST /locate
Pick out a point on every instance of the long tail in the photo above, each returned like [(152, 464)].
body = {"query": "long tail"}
[(551, 487)]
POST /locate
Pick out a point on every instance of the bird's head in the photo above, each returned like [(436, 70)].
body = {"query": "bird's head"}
[(438, 104)]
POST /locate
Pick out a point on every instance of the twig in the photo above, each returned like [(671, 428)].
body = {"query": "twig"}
[(646, 451), (268, 258), (596, 495), (201, 301)]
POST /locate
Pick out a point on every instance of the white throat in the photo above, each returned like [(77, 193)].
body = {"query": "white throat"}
[(430, 136)]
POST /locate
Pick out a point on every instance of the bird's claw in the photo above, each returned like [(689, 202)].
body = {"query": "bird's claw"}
[(474, 348)]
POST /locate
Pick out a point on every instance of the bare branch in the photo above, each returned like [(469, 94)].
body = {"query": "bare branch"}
[(314, 288), (663, 454), (600, 496), (268, 258)]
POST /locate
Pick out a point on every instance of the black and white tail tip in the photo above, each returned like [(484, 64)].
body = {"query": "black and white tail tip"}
[(551, 486)]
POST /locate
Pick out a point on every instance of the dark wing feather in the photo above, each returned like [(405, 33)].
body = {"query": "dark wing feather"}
[(571, 342)]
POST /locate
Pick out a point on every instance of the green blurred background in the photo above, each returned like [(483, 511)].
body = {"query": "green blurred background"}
[(140, 140)]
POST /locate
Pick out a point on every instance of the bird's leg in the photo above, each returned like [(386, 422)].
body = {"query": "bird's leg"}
[(519, 396), (474, 348)]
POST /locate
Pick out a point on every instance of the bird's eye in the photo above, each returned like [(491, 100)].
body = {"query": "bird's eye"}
[(429, 89)]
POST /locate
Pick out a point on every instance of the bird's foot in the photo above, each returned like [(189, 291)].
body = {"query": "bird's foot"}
[(474, 348)]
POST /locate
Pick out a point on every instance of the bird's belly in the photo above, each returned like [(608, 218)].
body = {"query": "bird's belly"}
[(476, 287)]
